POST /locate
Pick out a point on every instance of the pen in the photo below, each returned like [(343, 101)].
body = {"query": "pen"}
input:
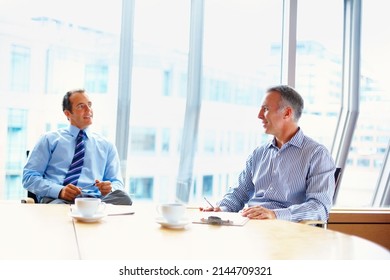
[(88, 186), (208, 202)]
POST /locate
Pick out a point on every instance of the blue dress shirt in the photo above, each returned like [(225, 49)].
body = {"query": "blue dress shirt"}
[(296, 182), (49, 161)]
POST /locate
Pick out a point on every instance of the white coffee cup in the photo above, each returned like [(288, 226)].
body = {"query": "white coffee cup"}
[(89, 206), (172, 212)]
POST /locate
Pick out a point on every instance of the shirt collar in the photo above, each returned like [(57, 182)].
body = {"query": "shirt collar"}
[(74, 131), (296, 140)]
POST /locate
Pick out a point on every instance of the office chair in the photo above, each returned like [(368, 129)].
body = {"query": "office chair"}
[(322, 224), (31, 197), (337, 176)]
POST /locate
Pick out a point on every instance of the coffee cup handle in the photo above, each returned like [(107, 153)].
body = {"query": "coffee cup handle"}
[(158, 209), (102, 207)]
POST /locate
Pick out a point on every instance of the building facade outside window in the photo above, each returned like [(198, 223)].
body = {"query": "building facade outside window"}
[(57, 49)]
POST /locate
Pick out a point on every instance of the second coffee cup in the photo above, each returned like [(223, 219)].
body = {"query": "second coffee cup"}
[(172, 212)]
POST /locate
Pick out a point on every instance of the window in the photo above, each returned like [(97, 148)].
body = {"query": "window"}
[(319, 66), (207, 185), (167, 80), (48, 48), (165, 140), (159, 90), (96, 78), (238, 65), (54, 46), (143, 140), (141, 188), (209, 142), (16, 151), (20, 68), (364, 164)]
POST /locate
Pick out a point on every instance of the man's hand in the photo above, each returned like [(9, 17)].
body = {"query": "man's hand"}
[(258, 213), (210, 209), (69, 192), (104, 187)]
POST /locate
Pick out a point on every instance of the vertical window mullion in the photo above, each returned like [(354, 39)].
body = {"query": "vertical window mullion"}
[(351, 77), (124, 84), (382, 192), (289, 42), (193, 103)]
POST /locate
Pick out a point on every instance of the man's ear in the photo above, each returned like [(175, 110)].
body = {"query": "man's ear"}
[(67, 114), (288, 112)]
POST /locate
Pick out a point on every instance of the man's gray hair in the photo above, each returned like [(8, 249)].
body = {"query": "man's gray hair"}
[(289, 97)]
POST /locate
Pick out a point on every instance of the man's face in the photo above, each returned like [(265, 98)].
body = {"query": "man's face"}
[(82, 114), (271, 115)]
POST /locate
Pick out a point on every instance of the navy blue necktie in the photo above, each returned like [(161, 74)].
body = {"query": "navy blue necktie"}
[(77, 163)]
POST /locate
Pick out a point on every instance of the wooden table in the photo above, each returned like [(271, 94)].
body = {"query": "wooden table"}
[(36, 231), (139, 237)]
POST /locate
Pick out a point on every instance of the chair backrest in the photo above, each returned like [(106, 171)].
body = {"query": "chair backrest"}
[(31, 194), (337, 175)]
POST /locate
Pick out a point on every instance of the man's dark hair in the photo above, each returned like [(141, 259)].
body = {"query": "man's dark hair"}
[(66, 104)]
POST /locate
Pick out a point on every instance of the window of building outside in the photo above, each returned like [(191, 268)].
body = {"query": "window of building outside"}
[(158, 96), (20, 69), (319, 78), (15, 155), (239, 63), (141, 188), (143, 140), (372, 134), (47, 48), (96, 78), (319, 67)]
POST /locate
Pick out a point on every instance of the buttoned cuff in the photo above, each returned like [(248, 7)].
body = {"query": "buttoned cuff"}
[(224, 209), (282, 214), (54, 191)]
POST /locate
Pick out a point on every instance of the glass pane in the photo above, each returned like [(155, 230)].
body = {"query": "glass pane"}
[(141, 188), (319, 66), (47, 48), (372, 133), (239, 63), (158, 97)]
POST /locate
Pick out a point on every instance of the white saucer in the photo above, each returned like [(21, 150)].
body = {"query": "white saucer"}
[(77, 216), (180, 224)]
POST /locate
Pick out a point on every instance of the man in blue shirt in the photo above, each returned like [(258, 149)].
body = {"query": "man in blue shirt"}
[(49, 161), (290, 178)]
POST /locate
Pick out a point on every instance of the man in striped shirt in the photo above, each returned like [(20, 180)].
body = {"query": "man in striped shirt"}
[(290, 178)]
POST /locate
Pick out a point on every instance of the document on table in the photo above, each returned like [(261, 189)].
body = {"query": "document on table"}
[(116, 210), (112, 210), (227, 218)]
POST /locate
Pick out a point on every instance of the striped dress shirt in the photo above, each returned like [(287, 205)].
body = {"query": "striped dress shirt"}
[(295, 181)]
